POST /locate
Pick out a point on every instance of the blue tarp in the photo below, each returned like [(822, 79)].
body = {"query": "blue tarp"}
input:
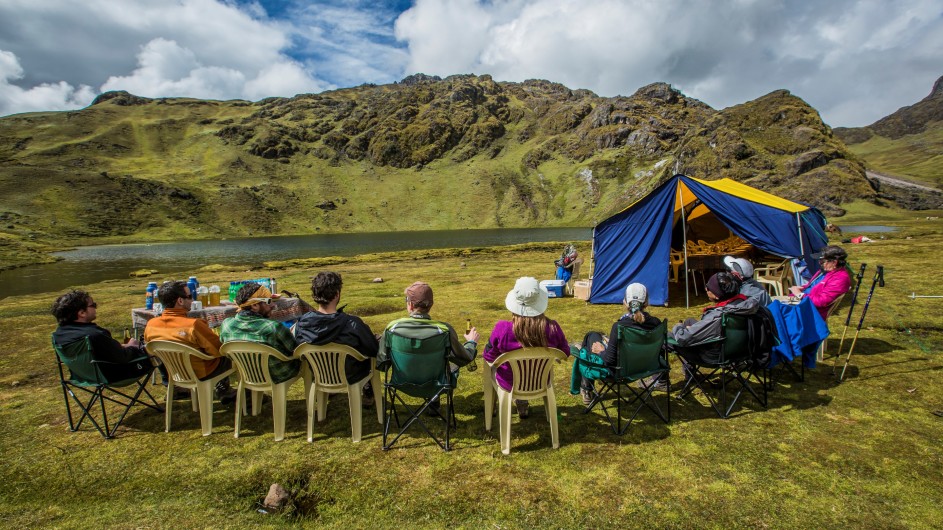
[(635, 244)]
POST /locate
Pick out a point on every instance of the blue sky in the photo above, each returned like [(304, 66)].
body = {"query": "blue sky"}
[(854, 60)]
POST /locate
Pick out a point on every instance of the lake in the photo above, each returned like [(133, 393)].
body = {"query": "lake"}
[(93, 264)]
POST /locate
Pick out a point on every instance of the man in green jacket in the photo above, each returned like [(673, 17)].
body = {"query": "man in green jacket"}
[(252, 323)]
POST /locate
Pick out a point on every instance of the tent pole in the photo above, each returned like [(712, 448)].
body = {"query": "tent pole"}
[(799, 228), (684, 233)]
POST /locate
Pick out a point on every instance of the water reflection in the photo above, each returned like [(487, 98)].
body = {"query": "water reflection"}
[(94, 264)]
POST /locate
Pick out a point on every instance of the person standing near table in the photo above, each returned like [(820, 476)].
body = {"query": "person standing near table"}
[(174, 325), (252, 323), (328, 323), (76, 312)]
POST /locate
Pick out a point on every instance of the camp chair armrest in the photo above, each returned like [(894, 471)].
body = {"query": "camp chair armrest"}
[(708, 342)]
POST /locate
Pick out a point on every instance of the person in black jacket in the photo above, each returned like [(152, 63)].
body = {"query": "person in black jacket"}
[(328, 323), (76, 312), (635, 302)]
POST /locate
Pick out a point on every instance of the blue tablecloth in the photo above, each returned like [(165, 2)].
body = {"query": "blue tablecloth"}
[(801, 329)]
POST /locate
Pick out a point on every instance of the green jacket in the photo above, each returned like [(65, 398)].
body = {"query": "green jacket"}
[(251, 326), (420, 326)]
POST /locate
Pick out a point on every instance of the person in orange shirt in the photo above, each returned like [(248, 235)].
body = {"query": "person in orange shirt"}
[(174, 325)]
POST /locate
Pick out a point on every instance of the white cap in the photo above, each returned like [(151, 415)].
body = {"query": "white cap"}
[(636, 292), (528, 298), (739, 265)]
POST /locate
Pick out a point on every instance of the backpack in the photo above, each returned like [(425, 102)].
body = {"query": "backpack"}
[(763, 337)]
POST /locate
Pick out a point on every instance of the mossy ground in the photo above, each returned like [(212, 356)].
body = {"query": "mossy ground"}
[(863, 453)]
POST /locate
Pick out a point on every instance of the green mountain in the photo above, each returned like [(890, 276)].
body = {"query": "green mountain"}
[(424, 153), (906, 144)]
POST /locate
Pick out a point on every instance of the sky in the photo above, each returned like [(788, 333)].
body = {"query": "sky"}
[(855, 61)]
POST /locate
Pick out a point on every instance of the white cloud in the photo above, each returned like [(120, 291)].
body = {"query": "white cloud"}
[(832, 54), (854, 60), (43, 97)]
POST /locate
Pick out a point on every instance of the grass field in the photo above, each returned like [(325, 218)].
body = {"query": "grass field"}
[(861, 454)]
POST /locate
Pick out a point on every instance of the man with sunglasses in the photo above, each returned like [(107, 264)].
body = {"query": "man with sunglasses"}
[(252, 323), (174, 325), (76, 312)]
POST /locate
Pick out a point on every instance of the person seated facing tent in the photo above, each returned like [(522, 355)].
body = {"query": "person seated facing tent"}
[(528, 327), (252, 323), (749, 287), (174, 325), (607, 348), (565, 263), (723, 289), (76, 312), (831, 281), (328, 323), (419, 325)]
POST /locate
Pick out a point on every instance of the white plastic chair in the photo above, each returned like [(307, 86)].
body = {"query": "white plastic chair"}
[(177, 359), (774, 276), (251, 360), (820, 355), (532, 370), (326, 364)]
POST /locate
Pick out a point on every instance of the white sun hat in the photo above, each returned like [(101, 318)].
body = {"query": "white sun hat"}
[(528, 298)]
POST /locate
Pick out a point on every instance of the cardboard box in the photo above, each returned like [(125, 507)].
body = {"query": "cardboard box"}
[(581, 289), (554, 287)]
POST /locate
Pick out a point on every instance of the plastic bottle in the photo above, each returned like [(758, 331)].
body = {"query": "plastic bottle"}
[(149, 297), (273, 287)]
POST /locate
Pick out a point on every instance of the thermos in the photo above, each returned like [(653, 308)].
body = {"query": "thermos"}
[(149, 297)]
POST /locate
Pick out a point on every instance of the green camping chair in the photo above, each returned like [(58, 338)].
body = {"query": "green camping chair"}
[(735, 364), (642, 354), (87, 380), (418, 368)]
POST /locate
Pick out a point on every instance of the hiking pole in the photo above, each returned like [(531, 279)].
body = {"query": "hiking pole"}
[(914, 296), (878, 280), (851, 309)]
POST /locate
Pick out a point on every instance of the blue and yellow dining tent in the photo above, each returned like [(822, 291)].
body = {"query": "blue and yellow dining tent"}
[(634, 245)]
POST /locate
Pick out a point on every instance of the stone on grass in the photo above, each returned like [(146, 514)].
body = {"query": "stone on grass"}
[(378, 280), (276, 498), (142, 273)]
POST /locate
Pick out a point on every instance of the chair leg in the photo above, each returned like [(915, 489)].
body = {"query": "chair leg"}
[(240, 408), (256, 402), (321, 404), (504, 417), (488, 393), (311, 398), (279, 409), (205, 395), (551, 405), (356, 412), (377, 395), (168, 405)]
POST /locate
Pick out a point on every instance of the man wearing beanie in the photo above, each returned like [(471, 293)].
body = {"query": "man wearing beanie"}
[(723, 289)]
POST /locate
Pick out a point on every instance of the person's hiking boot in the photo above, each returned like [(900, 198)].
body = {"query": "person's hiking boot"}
[(523, 408), (225, 393), (181, 393), (655, 382), (366, 399), (587, 395)]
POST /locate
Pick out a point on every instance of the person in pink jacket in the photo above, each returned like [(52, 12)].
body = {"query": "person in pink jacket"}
[(832, 280), (528, 326)]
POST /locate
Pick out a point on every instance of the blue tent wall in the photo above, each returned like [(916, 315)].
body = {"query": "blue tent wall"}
[(634, 245)]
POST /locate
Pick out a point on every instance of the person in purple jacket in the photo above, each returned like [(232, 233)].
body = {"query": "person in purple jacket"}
[(832, 280), (528, 327)]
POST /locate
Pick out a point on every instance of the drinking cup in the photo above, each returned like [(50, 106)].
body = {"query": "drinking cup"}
[(196, 306)]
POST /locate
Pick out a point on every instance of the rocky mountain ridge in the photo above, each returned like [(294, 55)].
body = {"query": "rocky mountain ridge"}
[(459, 152)]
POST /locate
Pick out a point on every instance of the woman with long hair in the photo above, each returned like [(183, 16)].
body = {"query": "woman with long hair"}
[(528, 327)]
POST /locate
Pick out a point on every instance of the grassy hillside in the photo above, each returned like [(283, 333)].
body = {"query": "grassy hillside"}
[(907, 143), (463, 151)]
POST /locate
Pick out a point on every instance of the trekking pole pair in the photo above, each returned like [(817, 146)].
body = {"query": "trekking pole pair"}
[(851, 309), (878, 280)]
